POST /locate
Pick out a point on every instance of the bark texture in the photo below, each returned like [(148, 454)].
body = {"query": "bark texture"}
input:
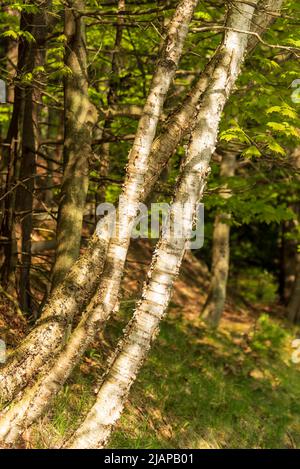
[(265, 15), (134, 189), (80, 116), (75, 291), (215, 302), (132, 350)]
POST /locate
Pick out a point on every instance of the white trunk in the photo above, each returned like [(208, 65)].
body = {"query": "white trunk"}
[(25, 410), (74, 293), (266, 14), (48, 335), (139, 158), (38, 397), (97, 426)]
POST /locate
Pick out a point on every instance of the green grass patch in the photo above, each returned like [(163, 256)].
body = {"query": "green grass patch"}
[(198, 389)]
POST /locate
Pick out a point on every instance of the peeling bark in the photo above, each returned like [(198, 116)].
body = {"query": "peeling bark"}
[(132, 350), (75, 291), (73, 294)]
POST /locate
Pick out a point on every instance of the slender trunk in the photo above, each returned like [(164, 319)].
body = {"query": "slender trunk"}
[(134, 187), (132, 350), (215, 302), (53, 131), (25, 195), (112, 99), (37, 26), (8, 232), (12, 60), (11, 158), (80, 115), (106, 296), (293, 307), (73, 294), (264, 17), (48, 335)]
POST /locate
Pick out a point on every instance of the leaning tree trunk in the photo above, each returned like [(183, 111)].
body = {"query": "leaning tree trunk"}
[(143, 170), (80, 116), (215, 301), (133, 348), (48, 335), (35, 399), (266, 14)]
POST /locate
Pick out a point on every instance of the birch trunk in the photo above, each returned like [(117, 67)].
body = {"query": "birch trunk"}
[(45, 340), (80, 116), (265, 15), (74, 293), (34, 400), (215, 302), (132, 350)]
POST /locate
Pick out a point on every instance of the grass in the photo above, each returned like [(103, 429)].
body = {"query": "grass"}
[(198, 389)]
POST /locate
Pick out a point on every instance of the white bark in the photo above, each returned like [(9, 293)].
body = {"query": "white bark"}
[(138, 165), (34, 400), (39, 396), (48, 336), (73, 294), (97, 426), (266, 14), (46, 339)]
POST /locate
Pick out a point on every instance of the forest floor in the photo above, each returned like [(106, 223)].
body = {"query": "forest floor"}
[(199, 388)]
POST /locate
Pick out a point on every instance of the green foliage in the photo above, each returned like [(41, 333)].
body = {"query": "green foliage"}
[(248, 204), (268, 337), (24, 6), (4, 114), (196, 389), (234, 133), (256, 286)]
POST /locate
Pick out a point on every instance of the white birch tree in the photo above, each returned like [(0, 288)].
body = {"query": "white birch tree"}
[(73, 294), (132, 349)]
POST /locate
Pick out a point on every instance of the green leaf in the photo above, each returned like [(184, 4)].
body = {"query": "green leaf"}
[(11, 34), (285, 110), (235, 133), (276, 148), (251, 152)]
